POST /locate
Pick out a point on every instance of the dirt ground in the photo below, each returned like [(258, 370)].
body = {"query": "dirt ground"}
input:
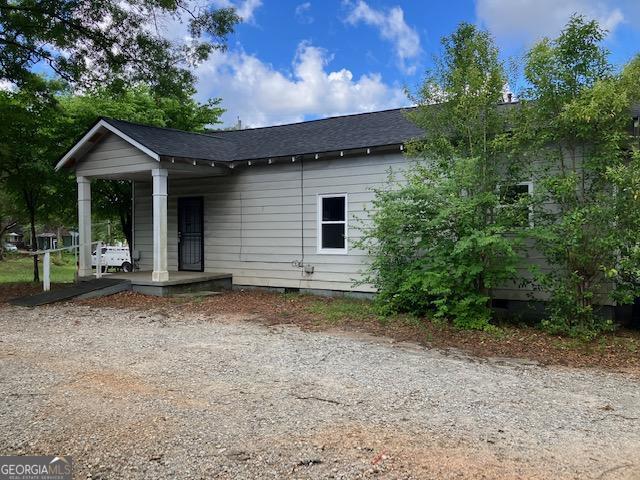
[(172, 392), (618, 352)]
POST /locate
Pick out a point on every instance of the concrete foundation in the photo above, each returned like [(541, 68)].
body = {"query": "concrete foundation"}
[(310, 291)]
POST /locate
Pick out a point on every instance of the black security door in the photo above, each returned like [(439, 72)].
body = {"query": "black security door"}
[(190, 234)]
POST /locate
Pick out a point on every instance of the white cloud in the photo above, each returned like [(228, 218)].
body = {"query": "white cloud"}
[(302, 13), (530, 20), (392, 27), (261, 95)]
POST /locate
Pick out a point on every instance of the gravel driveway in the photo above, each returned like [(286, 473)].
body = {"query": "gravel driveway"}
[(154, 395)]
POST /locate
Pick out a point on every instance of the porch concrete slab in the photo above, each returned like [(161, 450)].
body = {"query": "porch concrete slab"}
[(178, 282), (175, 278)]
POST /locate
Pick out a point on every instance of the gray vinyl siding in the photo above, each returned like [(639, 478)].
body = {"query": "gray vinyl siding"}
[(113, 156), (515, 290), (253, 220), (253, 223)]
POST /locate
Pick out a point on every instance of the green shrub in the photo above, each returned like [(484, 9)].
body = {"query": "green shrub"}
[(433, 251)]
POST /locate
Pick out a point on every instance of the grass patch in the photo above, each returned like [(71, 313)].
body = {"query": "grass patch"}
[(16, 268), (631, 345), (340, 309), (597, 346)]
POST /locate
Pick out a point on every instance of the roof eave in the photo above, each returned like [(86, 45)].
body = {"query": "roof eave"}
[(322, 155)]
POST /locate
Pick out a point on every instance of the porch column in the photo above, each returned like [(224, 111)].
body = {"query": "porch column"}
[(160, 272), (84, 226)]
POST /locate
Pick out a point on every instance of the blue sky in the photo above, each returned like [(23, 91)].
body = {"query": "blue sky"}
[(292, 60)]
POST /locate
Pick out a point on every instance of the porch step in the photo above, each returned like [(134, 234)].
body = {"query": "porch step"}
[(86, 289)]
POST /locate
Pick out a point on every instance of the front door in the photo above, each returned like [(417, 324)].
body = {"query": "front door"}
[(190, 234)]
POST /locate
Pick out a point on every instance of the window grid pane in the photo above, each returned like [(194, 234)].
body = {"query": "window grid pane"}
[(333, 235), (333, 209)]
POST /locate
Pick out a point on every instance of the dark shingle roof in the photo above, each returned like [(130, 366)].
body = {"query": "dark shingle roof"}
[(388, 127), (170, 142)]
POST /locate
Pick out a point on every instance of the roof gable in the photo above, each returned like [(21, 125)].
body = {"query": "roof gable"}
[(93, 136), (112, 155)]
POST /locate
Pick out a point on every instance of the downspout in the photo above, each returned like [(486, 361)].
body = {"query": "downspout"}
[(133, 220), (302, 210), (305, 269)]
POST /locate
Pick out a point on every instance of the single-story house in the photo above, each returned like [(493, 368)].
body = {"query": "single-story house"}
[(70, 238), (51, 238), (47, 241), (273, 207), (15, 238)]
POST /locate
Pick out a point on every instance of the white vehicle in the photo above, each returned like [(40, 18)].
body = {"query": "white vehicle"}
[(9, 247), (116, 257)]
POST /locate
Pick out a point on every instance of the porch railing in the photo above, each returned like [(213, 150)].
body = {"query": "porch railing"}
[(46, 261)]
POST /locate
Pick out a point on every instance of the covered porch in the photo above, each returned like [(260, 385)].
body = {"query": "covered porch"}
[(109, 153)]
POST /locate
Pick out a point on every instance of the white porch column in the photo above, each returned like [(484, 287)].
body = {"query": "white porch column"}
[(84, 226), (160, 272)]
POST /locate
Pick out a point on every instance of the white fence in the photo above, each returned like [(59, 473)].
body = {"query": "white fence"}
[(46, 261)]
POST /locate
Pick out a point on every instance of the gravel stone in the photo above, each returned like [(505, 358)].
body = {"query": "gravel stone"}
[(168, 395)]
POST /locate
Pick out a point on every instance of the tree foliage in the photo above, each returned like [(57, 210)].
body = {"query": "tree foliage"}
[(575, 120), (27, 141), (100, 42), (453, 229), (90, 44), (438, 237)]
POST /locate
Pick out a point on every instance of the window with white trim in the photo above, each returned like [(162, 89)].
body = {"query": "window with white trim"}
[(513, 198), (332, 223)]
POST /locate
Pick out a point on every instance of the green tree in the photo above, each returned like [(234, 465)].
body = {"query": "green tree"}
[(27, 144), (102, 41), (89, 45), (438, 239), (625, 177), (575, 121)]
